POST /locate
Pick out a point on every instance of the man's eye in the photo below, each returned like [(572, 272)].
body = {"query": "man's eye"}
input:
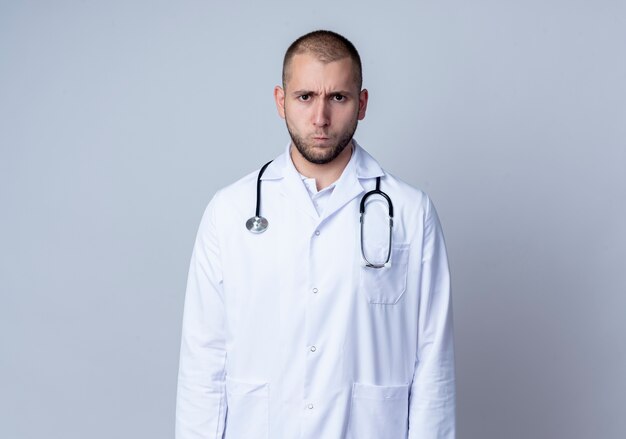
[(338, 98), (305, 97)]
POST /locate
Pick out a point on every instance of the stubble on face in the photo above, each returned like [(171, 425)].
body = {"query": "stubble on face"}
[(321, 156)]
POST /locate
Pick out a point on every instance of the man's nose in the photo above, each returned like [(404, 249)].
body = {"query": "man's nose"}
[(321, 115)]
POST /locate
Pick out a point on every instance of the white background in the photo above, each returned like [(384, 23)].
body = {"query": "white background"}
[(119, 120)]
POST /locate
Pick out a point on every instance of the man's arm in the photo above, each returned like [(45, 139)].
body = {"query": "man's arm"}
[(201, 401), (432, 398)]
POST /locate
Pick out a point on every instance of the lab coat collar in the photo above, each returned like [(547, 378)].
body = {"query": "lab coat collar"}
[(348, 186), (366, 165)]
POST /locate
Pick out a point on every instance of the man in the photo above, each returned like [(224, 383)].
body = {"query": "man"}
[(318, 327)]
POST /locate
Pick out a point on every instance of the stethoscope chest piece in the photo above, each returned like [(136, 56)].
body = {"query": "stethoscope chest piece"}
[(257, 224)]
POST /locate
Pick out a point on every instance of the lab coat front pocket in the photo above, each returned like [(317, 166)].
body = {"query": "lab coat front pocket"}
[(379, 412), (386, 285), (247, 416)]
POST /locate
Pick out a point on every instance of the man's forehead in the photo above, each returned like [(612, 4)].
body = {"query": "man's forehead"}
[(305, 58), (309, 67)]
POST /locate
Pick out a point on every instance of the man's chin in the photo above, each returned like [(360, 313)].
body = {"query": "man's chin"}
[(320, 160), (323, 141), (322, 154)]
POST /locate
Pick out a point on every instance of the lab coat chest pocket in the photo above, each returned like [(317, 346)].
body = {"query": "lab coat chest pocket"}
[(379, 412), (386, 285), (248, 410)]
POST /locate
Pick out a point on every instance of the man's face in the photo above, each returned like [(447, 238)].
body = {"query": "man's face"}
[(321, 104)]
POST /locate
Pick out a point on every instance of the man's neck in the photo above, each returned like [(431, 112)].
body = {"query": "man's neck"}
[(325, 174)]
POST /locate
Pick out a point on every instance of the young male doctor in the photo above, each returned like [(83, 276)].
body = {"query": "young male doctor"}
[(318, 326)]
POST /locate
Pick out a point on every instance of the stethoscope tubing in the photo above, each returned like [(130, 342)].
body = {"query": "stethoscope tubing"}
[(258, 224), (258, 189), (376, 191)]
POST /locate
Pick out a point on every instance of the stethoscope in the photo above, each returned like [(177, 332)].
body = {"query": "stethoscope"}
[(258, 224)]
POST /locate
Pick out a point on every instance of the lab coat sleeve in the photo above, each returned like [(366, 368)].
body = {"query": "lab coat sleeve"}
[(432, 395), (201, 400)]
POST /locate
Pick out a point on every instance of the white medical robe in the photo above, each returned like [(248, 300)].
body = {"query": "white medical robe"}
[(288, 335)]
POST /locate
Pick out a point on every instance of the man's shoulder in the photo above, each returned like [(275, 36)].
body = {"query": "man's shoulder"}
[(241, 190), (408, 196), (401, 185), (241, 184), (411, 196)]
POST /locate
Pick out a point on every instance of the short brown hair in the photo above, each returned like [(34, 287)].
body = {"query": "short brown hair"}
[(327, 46)]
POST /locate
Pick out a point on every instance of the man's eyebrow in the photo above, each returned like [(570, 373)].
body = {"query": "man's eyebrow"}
[(313, 93), (341, 92), (303, 92)]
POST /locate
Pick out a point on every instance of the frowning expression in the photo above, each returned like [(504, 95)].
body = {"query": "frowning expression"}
[(321, 104)]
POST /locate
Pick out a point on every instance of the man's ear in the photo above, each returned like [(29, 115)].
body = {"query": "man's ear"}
[(363, 97), (279, 98)]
